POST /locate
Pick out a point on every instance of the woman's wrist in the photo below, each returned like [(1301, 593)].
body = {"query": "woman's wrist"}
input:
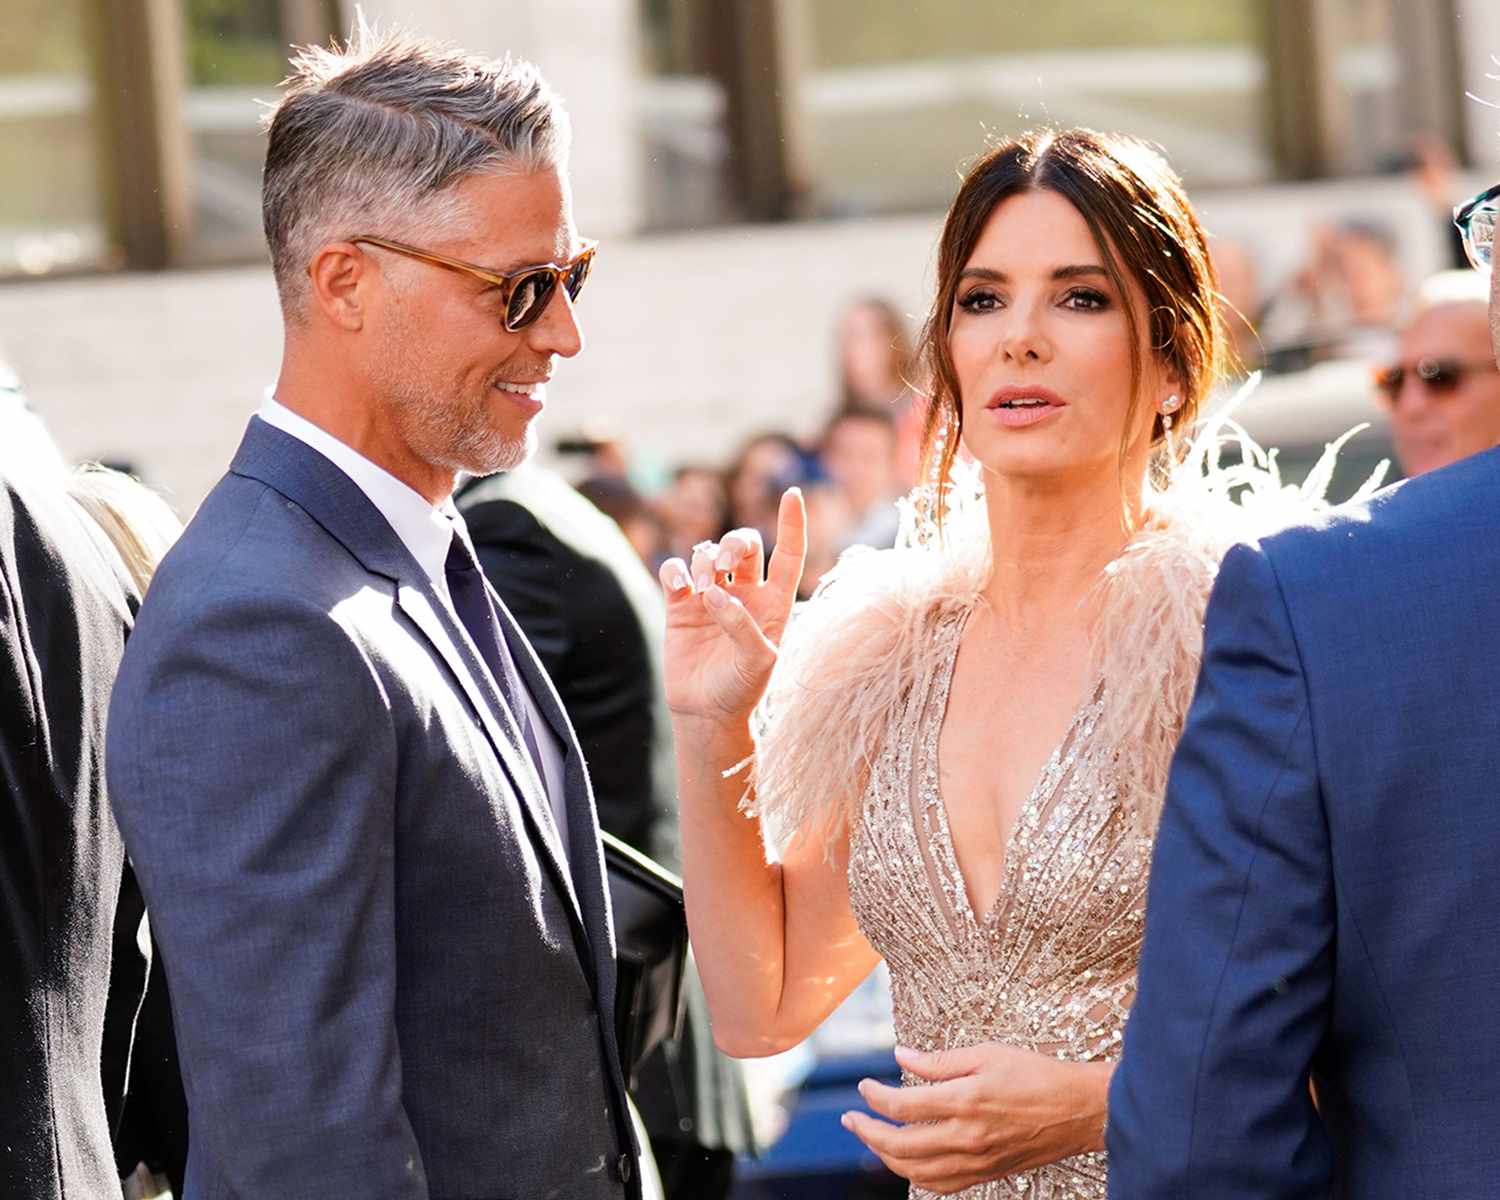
[(1092, 1099), (712, 743)]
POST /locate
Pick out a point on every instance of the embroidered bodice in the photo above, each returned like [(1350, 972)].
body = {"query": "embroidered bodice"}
[(1051, 966)]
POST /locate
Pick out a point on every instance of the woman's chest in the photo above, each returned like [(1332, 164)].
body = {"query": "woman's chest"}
[(1067, 871), (1005, 709)]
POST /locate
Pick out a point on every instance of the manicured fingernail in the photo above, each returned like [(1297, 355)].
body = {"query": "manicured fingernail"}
[(847, 1121), (725, 561), (679, 579), (714, 596)]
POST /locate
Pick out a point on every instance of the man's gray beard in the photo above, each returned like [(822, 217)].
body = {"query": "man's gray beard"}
[(497, 453), (458, 440)]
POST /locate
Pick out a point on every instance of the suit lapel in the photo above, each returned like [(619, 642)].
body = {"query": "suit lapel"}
[(586, 856), (335, 502), (453, 644)]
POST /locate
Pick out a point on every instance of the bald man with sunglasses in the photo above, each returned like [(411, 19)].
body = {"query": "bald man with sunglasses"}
[(1443, 390)]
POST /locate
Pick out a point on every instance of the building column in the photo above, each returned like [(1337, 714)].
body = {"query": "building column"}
[(141, 67), (1431, 97), (758, 51), (1309, 117), (309, 22)]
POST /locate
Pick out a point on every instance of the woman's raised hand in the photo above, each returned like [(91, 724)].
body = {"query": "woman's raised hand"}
[(724, 621)]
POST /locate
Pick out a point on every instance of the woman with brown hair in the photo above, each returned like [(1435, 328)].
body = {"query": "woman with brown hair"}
[(962, 749)]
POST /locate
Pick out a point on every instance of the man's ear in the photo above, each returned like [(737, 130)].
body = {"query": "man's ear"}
[(342, 279)]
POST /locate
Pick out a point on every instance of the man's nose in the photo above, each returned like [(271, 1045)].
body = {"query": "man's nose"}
[(1413, 396), (557, 330)]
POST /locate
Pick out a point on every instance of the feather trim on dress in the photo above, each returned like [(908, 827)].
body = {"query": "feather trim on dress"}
[(850, 654)]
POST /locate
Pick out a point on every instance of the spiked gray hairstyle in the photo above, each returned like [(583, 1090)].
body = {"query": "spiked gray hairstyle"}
[(369, 135)]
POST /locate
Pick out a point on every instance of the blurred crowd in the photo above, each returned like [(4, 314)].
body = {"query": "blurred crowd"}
[(1346, 294), (851, 473)]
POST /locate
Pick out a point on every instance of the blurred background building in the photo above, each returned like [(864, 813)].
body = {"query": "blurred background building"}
[(753, 166)]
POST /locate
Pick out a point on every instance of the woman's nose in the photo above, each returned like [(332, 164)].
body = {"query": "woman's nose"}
[(1024, 340)]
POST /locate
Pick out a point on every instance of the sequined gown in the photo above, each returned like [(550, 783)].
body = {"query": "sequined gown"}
[(1051, 967)]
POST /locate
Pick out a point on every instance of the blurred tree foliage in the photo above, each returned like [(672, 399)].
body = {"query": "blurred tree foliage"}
[(228, 41), (234, 41), (850, 33), (657, 23), (853, 33)]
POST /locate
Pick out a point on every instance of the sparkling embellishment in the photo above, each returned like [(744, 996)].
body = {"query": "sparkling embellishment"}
[(1051, 966)]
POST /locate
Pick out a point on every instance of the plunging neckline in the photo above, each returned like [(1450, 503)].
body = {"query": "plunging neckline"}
[(1044, 784)]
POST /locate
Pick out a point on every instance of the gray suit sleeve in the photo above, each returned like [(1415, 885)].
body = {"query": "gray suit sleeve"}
[(253, 771)]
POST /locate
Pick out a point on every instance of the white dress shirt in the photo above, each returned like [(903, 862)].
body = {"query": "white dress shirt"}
[(427, 532)]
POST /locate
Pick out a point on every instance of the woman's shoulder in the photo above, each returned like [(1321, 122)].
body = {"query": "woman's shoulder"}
[(851, 654), (871, 605), (1149, 639)]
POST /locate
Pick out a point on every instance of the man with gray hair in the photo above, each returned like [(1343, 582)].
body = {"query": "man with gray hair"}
[(359, 815)]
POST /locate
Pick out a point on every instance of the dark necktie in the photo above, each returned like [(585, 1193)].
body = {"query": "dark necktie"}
[(472, 604)]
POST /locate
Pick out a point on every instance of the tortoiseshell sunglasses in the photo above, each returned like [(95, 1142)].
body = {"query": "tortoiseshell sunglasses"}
[(524, 292)]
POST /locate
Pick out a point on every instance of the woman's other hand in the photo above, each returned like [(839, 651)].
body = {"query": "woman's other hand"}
[(724, 621), (987, 1111)]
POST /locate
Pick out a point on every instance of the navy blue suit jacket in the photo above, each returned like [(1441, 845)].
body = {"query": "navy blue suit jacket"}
[(1325, 896), (387, 982)]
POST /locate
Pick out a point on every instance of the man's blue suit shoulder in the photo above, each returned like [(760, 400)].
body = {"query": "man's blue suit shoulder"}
[(1359, 542), (248, 540)]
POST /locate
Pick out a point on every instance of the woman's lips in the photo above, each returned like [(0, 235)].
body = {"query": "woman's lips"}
[(1019, 418), (1019, 407)]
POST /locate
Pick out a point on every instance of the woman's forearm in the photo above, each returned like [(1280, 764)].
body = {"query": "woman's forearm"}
[(777, 945), (735, 905)]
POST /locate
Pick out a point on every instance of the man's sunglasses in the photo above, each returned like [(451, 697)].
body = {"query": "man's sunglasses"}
[(1440, 376), (1476, 221), (524, 293)]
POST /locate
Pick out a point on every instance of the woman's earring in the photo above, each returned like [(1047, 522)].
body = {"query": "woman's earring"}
[(1170, 405)]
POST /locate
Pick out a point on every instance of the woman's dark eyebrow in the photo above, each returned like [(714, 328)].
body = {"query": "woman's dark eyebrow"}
[(1070, 272), (1081, 269)]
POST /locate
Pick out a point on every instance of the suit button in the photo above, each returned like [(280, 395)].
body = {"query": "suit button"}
[(623, 1168)]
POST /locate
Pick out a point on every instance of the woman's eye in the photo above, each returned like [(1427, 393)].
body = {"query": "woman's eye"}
[(980, 300), (1086, 300)]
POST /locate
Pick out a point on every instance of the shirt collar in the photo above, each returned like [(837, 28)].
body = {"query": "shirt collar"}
[(425, 531)]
